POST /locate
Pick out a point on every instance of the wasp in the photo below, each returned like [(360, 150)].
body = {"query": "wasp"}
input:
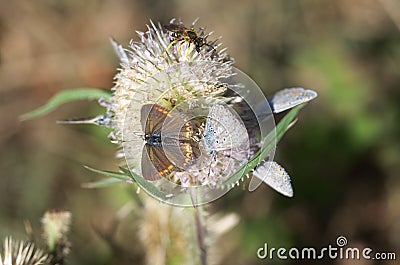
[(181, 33)]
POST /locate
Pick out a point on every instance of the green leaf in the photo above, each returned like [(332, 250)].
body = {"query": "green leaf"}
[(125, 176), (65, 97), (269, 143), (283, 126), (146, 185), (101, 183), (115, 175), (114, 178)]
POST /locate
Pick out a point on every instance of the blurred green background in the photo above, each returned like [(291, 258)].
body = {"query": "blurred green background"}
[(343, 154)]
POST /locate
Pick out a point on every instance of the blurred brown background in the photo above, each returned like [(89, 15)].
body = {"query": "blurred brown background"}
[(343, 154)]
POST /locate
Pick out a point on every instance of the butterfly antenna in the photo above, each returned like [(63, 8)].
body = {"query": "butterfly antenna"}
[(138, 133)]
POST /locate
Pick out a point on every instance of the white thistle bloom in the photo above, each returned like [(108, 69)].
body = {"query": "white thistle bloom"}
[(168, 68), (21, 253), (55, 228), (147, 58)]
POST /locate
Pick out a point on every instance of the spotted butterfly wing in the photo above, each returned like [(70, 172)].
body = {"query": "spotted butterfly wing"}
[(223, 130), (290, 97), (283, 100), (275, 176)]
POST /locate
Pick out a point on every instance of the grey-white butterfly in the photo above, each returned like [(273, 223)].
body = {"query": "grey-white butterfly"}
[(224, 130), (226, 142), (275, 176), (290, 97), (272, 173)]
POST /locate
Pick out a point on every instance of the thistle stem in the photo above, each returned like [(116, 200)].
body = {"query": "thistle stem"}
[(200, 236)]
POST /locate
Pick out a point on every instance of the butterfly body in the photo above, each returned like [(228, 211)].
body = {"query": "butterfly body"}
[(153, 139)]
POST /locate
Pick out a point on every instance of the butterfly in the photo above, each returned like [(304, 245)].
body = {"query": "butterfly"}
[(275, 176), (169, 146), (270, 172), (226, 142), (289, 98)]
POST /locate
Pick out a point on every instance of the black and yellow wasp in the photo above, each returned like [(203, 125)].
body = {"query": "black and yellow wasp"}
[(180, 33)]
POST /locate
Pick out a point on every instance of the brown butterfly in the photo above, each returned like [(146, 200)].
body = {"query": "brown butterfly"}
[(169, 142)]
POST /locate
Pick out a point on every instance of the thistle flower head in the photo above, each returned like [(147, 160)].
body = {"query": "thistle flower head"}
[(21, 253), (182, 74), (169, 65), (149, 57), (55, 228)]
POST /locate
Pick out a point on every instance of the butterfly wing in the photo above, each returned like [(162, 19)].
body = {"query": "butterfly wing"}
[(275, 176), (290, 97), (177, 138), (224, 130), (152, 118), (182, 154), (155, 163), (178, 126), (176, 151)]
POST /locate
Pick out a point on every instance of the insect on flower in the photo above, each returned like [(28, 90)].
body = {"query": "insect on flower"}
[(180, 33), (169, 146)]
